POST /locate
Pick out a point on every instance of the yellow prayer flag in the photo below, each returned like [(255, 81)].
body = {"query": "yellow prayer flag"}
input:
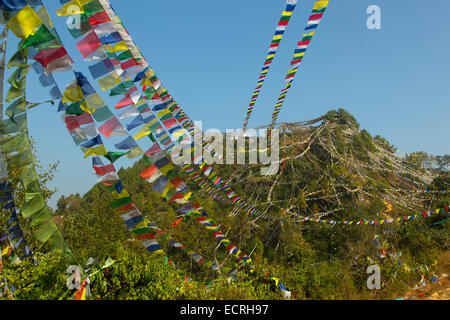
[(145, 131), (320, 4), (178, 133), (140, 102), (309, 34), (134, 153), (110, 81), (146, 82), (5, 251), (150, 73), (167, 189), (85, 108), (24, 22), (124, 194), (168, 167), (287, 13), (95, 151), (120, 46), (94, 101), (72, 7), (141, 224), (162, 113), (73, 93)]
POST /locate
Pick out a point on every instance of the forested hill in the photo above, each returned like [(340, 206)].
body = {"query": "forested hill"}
[(330, 171)]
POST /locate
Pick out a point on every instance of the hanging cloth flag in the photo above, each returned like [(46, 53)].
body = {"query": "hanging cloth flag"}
[(84, 84), (127, 144), (24, 22), (41, 35), (89, 44), (119, 46), (112, 128), (109, 81), (99, 18), (138, 121), (101, 68), (153, 150), (279, 32), (54, 60), (73, 93), (134, 153), (151, 173), (114, 156), (131, 112), (145, 131)]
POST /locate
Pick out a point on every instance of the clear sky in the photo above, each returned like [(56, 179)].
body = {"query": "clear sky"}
[(209, 53)]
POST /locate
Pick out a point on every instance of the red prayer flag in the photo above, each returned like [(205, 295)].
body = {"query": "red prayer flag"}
[(148, 171), (99, 18), (108, 127), (124, 102), (177, 222), (154, 149), (89, 44), (316, 16), (129, 63), (101, 171), (44, 57)]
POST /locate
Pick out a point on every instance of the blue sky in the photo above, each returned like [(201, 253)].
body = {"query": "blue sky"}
[(208, 54)]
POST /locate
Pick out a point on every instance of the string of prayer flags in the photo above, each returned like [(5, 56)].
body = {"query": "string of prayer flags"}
[(34, 205), (279, 32), (313, 22)]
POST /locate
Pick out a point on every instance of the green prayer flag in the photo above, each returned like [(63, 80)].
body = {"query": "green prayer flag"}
[(28, 178), (19, 74), (19, 160), (166, 117), (18, 60), (45, 231), (121, 88), (172, 174), (12, 144), (41, 216), (102, 114), (33, 205), (120, 202), (92, 7), (143, 230), (75, 108), (113, 156), (18, 124), (124, 55), (42, 35), (14, 93), (17, 107)]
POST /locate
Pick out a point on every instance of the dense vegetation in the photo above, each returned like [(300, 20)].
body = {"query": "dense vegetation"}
[(313, 260)]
